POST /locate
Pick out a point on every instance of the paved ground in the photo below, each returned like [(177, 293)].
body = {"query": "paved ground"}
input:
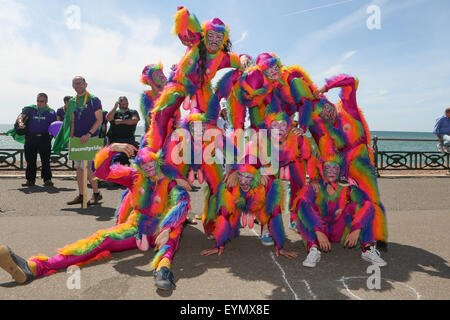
[(36, 220)]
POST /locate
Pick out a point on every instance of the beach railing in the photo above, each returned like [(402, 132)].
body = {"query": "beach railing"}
[(409, 160), (14, 159)]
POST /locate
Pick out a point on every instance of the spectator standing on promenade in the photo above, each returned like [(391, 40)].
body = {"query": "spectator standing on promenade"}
[(123, 122), (37, 139), (86, 116), (61, 112), (442, 130)]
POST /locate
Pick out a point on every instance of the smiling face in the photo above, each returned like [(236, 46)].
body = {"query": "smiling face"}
[(273, 73), (159, 79), (245, 181), (149, 168), (282, 128), (79, 85), (214, 41), (331, 171)]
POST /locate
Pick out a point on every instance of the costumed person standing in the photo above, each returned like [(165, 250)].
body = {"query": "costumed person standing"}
[(335, 214), (192, 78), (159, 208)]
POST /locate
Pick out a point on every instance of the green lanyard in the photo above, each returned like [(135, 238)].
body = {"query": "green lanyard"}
[(82, 107)]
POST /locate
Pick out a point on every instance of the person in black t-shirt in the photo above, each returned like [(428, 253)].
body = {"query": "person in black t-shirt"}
[(123, 122)]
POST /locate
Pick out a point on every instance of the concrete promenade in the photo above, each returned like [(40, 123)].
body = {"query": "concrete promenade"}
[(37, 220)]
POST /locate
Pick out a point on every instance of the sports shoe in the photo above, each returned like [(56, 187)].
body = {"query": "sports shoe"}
[(372, 255), (164, 279), (266, 239), (78, 199), (312, 258), (16, 266), (446, 149), (344, 182), (440, 147), (96, 197)]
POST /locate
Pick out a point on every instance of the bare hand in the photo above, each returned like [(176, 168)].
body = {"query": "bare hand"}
[(232, 180), (264, 180), (209, 252), (287, 254), (84, 138), (320, 91), (352, 239), (316, 186), (339, 212), (162, 239), (324, 243), (184, 184), (126, 148), (297, 131)]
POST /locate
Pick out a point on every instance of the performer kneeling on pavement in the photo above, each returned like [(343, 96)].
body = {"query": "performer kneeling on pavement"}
[(254, 195), (335, 213), (160, 207)]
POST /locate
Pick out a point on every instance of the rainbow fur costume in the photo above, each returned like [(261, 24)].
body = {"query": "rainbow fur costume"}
[(318, 212), (157, 205), (343, 129), (259, 93), (264, 202), (188, 82)]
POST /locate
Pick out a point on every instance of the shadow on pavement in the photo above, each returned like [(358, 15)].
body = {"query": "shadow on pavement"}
[(102, 213), (39, 189)]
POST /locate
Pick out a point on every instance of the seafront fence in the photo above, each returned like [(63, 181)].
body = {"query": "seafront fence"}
[(14, 159)]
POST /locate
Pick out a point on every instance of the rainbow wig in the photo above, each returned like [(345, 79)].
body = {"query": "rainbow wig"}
[(268, 60), (216, 25), (147, 73)]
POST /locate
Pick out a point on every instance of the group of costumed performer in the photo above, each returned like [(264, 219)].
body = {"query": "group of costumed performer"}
[(159, 208), (330, 200)]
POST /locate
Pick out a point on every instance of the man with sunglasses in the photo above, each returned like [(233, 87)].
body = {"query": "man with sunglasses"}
[(37, 139)]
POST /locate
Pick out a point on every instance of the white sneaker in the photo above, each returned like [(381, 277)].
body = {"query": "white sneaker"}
[(266, 239), (312, 259), (446, 149), (372, 255), (440, 147)]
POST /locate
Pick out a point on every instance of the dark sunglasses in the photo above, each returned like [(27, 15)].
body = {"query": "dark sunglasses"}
[(41, 101)]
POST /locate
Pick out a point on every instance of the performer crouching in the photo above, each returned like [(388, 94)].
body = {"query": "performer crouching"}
[(159, 208)]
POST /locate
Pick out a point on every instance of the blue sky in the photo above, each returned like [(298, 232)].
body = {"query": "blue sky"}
[(403, 67)]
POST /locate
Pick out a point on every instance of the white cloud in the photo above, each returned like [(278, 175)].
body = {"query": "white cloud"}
[(242, 38), (111, 60), (348, 55)]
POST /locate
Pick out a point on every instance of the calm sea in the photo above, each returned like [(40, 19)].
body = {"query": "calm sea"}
[(9, 143)]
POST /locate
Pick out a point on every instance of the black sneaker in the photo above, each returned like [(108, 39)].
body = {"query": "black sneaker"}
[(16, 266), (28, 184), (164, 279)]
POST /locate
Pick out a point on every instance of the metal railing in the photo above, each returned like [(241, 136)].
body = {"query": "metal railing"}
[(409, 160), (14, 159)]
